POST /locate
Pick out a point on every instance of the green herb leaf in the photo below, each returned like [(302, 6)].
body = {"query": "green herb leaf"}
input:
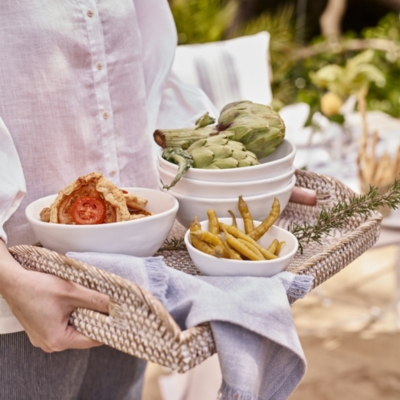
[(173, 244), (337, 216)]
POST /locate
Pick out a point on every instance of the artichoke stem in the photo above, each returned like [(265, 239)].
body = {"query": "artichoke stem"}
[(182, 138), (180, 157)]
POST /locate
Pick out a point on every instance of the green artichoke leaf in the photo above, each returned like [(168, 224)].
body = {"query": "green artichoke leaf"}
[(257, 126), (182, 158), (225, 163), (239, 155), (246, 162), (220, 152), (204, 120), (202, 156), (219, 140)]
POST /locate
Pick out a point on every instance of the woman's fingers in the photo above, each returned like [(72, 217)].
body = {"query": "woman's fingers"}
[(87, 298), (78, 341), (71, 339), (304, 196)]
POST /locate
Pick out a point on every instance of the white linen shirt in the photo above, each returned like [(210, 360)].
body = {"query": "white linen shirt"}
[(83, 84)]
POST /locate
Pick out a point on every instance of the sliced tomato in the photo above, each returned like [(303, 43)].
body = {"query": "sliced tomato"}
[(88, 210)]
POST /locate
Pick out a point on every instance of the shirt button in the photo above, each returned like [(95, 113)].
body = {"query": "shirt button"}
[(90, 13), (105, 115), (99, 66), (112, 173)]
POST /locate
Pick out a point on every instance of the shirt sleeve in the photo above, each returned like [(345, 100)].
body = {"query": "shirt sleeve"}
[(12, 180), (182, 104)]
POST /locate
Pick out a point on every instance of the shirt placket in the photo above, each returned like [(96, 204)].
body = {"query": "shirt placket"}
[(101, 88)]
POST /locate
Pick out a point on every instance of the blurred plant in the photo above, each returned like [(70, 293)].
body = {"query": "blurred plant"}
[(358, 73), (354, 78), (384, 39), (200, 21), (386, 98)]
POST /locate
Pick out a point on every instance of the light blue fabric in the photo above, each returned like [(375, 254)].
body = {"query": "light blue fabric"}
[(259, 350)]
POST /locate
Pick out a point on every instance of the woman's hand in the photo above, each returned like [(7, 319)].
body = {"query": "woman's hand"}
[(43, 303)]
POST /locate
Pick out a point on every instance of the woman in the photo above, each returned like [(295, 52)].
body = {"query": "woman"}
[(83, 84)]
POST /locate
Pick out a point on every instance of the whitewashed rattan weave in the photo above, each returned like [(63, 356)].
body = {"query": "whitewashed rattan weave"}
[(138, 323)]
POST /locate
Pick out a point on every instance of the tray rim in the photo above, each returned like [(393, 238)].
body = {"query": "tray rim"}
[(174, 348)]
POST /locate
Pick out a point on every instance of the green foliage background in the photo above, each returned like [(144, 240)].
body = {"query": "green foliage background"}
[(200, 21)]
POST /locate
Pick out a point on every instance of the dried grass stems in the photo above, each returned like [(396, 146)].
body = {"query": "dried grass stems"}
[(380, 171)]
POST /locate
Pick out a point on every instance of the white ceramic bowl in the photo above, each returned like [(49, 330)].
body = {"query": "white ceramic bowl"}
[(280, 161), (141, 237), (192, 187), (210, 265), (259, 206)]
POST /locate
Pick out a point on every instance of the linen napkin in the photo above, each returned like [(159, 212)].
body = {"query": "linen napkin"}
[(260, 353)]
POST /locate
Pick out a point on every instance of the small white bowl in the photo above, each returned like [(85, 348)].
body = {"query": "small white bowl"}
[(192, 187), (259, 206), (280, 161), (141, 237), (210, 265)]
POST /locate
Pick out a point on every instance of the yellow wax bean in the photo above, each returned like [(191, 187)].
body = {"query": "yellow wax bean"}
[(261, 229), (237, 233), (195, 225), (245, 213), (240, 247), (220, 251), (253, 248), (278, 248), (213, 223), (207, 237), (233, 218), (273, 246), (200, 245), (233, 254)]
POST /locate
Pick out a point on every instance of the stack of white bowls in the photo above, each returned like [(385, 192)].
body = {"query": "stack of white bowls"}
[(202, 189)]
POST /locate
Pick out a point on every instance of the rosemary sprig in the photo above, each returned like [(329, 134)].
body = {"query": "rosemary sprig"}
[(173, 244), (338, 215)]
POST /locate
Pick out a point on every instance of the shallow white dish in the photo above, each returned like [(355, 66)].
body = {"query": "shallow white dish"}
[(141, 237), (259, 206), (192, 187), (280, 161), (210, 265)]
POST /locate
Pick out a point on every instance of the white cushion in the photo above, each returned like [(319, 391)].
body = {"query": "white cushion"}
[(230, 70)]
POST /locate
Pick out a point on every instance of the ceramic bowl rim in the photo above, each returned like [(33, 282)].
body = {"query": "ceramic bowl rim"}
[(282, 190), (272, 179)]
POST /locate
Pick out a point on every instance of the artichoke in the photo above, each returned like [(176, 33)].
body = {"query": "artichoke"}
[(215, 152), (257, 126), (220, 152)]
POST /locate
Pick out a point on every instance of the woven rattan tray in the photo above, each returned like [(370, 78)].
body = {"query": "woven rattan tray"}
[(139, 324)]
